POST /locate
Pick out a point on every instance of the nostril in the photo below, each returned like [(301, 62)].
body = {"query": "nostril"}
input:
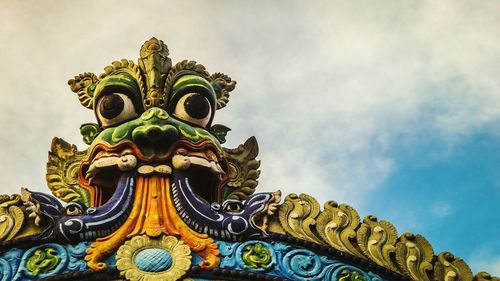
[(154, 133)]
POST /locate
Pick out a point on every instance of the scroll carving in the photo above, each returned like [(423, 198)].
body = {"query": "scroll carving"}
[(243, 169), (14, 221), (449, 268), (485, 276), (414, 256), (128, 66), (337, 226), (62, 172), (297, 216), (377, 240), (222, 85), (184, 67), (84, 85)]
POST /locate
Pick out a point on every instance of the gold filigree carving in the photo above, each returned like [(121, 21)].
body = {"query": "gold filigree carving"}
[(243, 169), (222, 84), (414, 256), (449, 268), (14, 221), (337, 226), (62, 172), (297, 216), (376, 240), (155, 64), (84, 85)]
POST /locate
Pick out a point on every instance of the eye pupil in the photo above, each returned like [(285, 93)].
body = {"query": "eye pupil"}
[(111, 106), (197, 106)]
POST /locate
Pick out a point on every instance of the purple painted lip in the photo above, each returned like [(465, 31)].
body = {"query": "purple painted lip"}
[(232, 220)]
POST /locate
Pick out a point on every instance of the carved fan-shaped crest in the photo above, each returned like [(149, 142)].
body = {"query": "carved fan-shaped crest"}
[(62, 172), (243, 170)]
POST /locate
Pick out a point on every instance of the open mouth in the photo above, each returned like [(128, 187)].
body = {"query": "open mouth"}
[(201, 162)]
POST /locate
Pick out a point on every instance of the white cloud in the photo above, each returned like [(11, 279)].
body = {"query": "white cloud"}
[(486, 260), (441, 209)]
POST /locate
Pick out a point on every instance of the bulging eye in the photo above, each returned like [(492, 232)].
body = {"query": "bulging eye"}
[(115, 108), (194, 108)]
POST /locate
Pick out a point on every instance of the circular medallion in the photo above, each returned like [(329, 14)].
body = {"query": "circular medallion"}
[(153, 260), (145, 258)]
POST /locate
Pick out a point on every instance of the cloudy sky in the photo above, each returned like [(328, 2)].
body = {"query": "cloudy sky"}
[(391, 107)]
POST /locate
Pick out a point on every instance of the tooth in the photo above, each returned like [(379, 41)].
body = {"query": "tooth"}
[(219, 169), (145, 170), (107, 161), (199, 161), (163, 169), (181, 162), (127, 162)]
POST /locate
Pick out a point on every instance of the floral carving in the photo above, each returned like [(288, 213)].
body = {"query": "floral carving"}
[(130, 268)]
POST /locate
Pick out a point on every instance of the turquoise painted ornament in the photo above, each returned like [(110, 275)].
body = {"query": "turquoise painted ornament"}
[(42, 261), (153, 260), (281, 259)]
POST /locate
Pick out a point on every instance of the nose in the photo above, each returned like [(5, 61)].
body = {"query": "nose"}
[(154, 112), (156, 133)]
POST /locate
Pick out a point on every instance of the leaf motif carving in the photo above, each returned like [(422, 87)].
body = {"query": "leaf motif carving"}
[(84, 85), (449, 268), (62, 172), (337, 226), (414, 256), (377, 241), (243, 169), (222, 84), (297, 216), (14, 221), (182, 68), (128, 66)]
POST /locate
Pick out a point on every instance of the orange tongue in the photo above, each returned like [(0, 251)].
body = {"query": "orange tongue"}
[(153, 213), (153, 219)]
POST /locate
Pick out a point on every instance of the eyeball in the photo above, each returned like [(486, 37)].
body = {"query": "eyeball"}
[(74, 209), (194, 108), (115, 108)]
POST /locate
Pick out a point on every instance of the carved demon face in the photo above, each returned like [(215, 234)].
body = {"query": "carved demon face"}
[(154, 120), (154, 139)]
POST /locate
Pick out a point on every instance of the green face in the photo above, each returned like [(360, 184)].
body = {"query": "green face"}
[(122, 117)]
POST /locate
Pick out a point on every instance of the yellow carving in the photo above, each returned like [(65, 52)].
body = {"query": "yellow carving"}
[(449, 268), (377, 240), (337, 226), (83, 85), (485, 276), (414, 256), (179, 252), (14, 220), (243, 169), (297, 216), (62, 171), (153, 214)]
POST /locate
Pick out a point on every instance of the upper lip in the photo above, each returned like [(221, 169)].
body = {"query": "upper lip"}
[(126, 156)]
